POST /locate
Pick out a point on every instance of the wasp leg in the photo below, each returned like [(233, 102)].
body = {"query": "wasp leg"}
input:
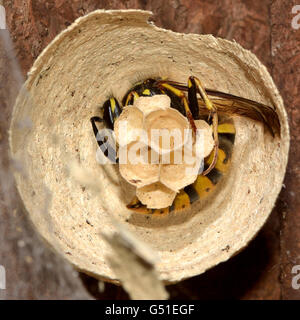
[(130, 98), (192, 97), (195, 85), (184, 100), (111, 111), (103, 140)]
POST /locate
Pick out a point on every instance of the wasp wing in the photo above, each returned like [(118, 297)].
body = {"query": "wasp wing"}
[(231, 105)]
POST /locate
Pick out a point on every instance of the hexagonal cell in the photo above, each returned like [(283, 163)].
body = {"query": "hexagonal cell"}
[(156, 195)]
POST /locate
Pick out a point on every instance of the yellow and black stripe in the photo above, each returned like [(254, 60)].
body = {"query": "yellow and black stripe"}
[(111, 111), (146, 88)]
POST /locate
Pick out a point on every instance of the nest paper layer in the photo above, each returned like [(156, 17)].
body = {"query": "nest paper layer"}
[(104, 54)]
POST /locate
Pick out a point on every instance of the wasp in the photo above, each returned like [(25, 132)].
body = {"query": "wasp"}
[(194, 102)]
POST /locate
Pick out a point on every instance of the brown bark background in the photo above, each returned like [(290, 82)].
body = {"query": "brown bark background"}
[(263, 269)]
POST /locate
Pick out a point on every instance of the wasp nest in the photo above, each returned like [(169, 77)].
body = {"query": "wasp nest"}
[(71, 198), (157, 152)]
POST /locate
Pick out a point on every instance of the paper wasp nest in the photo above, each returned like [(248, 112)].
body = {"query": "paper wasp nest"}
[(159, 168), (70, 198)]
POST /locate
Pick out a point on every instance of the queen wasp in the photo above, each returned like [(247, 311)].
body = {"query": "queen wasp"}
[(194, 102)]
